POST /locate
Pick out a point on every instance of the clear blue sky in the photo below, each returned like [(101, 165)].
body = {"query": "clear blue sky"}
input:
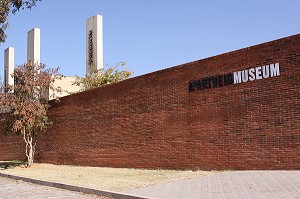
[(150, 35)]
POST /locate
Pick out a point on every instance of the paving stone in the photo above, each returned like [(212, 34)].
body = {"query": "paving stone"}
[(233, 185), (17, 189)]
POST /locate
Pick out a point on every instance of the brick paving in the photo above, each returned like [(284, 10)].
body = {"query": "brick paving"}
[(16, 189), (233, 185)]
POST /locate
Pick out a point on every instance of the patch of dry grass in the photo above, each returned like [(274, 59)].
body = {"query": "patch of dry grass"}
[(113, 179)]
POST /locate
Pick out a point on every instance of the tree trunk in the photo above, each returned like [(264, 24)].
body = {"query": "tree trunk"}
[(30, 148)]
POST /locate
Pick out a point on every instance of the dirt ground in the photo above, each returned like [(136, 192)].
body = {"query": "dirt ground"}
[(112, 179)]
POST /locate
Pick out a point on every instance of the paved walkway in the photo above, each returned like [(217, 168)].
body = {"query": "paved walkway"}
[(16, 189), (233, 185)]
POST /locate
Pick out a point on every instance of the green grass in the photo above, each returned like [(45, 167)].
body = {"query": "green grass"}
[(10, 164)]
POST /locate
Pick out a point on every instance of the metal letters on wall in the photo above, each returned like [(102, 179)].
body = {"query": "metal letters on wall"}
[(252, 74), (90, 38), (211, 82)]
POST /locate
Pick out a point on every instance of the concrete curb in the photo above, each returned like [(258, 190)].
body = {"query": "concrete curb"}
[(109, 194)]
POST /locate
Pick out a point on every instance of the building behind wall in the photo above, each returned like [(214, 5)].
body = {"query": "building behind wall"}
[(66, 84), (94, 56)]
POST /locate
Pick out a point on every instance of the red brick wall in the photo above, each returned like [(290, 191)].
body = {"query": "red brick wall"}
[(152, 121)]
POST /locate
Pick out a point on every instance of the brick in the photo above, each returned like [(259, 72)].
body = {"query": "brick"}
[(152, 121)]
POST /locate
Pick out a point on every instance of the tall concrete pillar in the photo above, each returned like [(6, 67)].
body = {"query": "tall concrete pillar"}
[(9, 63), (94, 44), (34, 45)]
